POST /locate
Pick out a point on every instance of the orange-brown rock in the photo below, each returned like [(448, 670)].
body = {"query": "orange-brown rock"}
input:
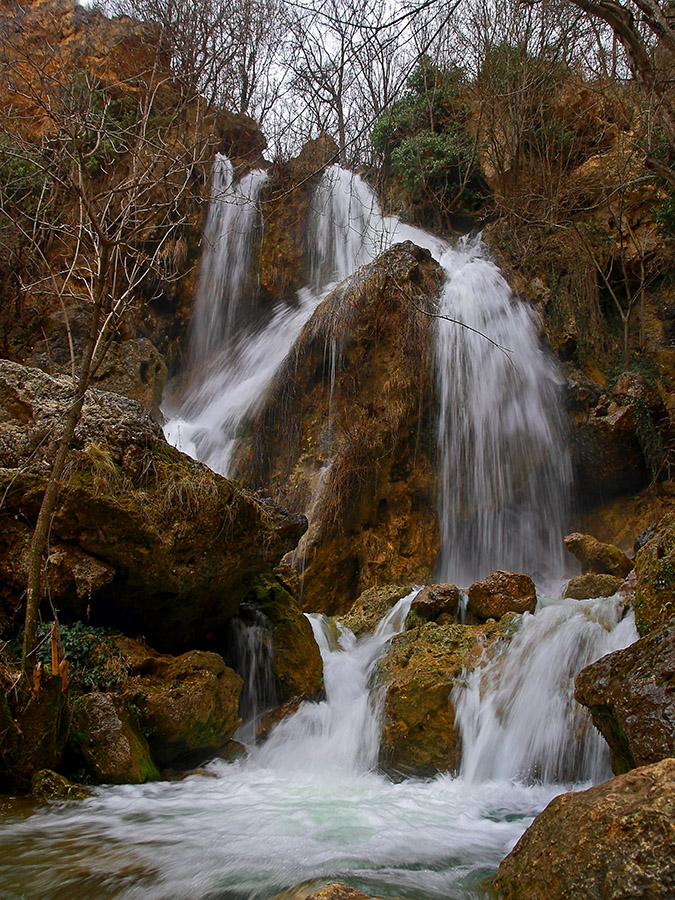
[(432, 602), (500, 593), (596, 557), (615, 841), (355, 450)]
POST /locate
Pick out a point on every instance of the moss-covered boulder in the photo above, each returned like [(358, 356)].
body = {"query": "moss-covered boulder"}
[(47, 786), (371, 606), (631, 696), (596, 557), (165, 547), (614, 841), (187, 706), (108, 741), (417, 675), (347, 433), (655, 571), (500, 593), (585, 587)]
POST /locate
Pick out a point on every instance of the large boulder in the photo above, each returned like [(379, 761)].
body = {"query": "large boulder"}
[(655, 571), (615, 841), (596, 557), (164, 547), (631, 696), (584, 587), (417, 675), (346, 433), (500, 593), (108, 741), (432, 602), (188, 706)]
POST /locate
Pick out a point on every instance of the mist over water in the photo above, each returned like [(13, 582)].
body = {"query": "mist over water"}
[(309, 804)]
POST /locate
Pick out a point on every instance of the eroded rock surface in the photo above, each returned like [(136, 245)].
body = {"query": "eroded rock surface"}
[(615, 841), (655, 572)]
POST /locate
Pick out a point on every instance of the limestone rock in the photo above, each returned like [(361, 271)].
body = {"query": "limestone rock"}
[(174, 546), (596, 557), (615, 841), (371, 606), (109, 742), (417, 675), (336, 890), (500, 593), (591, 586), (433, 601), (631, 696), (655, 572), (355, 449), (188, 705)]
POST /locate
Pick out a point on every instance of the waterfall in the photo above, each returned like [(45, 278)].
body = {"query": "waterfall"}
[(253, 655), (505, 471), (517, 714), (341, 734), (309, 804)]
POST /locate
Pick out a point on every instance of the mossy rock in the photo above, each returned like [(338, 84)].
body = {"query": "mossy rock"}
[(48, 786), (371, 606), (655, 570), (585, 587), (108, 742)]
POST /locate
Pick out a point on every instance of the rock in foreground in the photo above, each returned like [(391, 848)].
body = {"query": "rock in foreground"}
[(615, 841)]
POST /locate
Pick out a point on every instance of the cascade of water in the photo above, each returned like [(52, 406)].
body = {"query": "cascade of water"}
[(343, 732), (517, 714), (504, 465), (251, 647), (225, 270)]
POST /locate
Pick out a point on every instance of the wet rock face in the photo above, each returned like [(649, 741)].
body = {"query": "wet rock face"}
[(145, 538), (612, 842), (655, 572), (418, 673), (631, 697), (596, 557), (355, 449), (500, 593)]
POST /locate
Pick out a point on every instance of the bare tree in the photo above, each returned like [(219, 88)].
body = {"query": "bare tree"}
[(106, 171)]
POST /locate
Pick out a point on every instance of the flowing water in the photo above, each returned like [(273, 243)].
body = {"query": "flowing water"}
[(309, 804)]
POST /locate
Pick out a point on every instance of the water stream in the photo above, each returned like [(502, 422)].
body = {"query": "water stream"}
[(309, 804)]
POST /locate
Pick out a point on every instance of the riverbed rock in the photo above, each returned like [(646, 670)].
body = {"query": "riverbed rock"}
[(596, 557), (585, 587), (167, 547), (615, 841), (655, 572), (631, 696), (371, 606), (109, 742), (188, 706), (348, 435), (500, 593), (433, 601), (49, 786), (417, 675)]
